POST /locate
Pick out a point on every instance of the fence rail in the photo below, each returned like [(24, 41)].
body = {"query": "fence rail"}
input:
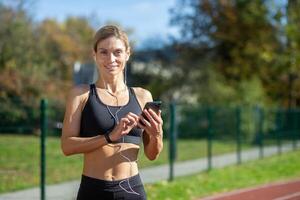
[(244, 127)]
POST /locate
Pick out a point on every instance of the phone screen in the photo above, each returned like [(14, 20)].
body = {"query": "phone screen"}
[(154, 105)]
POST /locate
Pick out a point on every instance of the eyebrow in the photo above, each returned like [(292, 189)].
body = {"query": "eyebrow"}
[(101, 49), (117, 49)]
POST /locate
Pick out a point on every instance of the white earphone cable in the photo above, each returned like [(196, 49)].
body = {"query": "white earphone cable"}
[(115, 117)]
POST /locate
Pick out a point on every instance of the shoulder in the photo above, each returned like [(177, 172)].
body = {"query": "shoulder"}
[(142, 95), (79, 90), (78, 93)]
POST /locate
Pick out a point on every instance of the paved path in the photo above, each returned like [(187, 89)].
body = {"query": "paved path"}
[(68, 190), (276, 191)]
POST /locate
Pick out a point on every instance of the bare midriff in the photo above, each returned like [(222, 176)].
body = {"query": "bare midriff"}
[(110, 162)]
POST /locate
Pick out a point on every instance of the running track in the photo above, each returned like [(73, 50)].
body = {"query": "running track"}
[(277, 191)]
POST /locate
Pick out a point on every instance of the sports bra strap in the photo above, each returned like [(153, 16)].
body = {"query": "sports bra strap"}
[(92, 89)]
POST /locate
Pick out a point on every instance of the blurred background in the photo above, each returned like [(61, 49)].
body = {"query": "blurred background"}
[(228, 67), (200, 52)]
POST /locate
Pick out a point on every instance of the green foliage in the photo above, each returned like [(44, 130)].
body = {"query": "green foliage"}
[(231, 53), (223, 122), (248, 43), (239, 32), (192, 122), (55, 117), (251, 92), (48, 48), (36, 62), (18, 117)]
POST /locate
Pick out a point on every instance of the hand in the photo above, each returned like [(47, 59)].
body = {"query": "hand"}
[(153, 124), (124, 126)]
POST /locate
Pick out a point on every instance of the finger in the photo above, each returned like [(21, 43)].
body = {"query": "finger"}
[(145, 121), (149, 116), (140, 122), (133, 121), (140, 125), (134, 116), (156, 117), (130, 118), (123, 122)]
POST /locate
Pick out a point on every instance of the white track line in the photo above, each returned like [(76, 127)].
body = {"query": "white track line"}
[(251, 189), (287, 197)]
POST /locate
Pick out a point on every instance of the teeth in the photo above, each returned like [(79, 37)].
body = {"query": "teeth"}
[(111, 66)]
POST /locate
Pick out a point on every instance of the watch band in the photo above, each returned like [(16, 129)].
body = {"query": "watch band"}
[(108, 140)]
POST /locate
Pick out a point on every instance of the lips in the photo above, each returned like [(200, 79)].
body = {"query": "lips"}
[(111, 67)]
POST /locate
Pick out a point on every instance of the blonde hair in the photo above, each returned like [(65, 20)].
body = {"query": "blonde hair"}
[(109, 31)]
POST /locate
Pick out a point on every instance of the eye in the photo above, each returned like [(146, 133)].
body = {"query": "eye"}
[(102, 52), (118, 52)]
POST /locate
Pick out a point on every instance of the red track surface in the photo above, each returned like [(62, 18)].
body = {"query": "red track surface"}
[(277, 191)]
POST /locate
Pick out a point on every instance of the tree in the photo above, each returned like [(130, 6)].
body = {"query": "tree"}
[(237, 39), (36, 60), (16, 36), (293, 52)]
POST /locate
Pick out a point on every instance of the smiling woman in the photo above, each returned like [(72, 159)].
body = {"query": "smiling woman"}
[(102, 121), (111, 56)]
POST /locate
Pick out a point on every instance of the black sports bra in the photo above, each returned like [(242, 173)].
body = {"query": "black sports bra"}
[(96, 119)]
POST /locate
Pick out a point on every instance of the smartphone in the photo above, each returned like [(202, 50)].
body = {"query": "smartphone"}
[(154, 105)]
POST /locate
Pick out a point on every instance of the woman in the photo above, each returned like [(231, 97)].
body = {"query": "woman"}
[(103, 122)]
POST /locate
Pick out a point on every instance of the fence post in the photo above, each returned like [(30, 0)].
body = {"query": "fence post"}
[(209, 139), (279, 125), (296, 127), (260, 117), (294, 130), (296, 119), (43, 126), (172, 139), (238, 135)]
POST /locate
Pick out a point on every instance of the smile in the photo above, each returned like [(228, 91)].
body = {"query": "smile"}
[(111, 66)]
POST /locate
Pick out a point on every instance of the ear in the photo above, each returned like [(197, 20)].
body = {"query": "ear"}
[(127, 54), (94, 56)]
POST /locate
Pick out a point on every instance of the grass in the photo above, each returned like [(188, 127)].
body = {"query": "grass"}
[(20, 154), (189, 149), (286, 166), (19, 160)]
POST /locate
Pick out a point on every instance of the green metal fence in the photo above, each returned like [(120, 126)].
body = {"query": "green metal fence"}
[(240, 128), (42, 118)]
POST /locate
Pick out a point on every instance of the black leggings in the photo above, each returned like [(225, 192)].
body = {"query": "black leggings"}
[(96, 189)]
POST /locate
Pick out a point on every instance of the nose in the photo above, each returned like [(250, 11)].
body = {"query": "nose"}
[(111, 57)]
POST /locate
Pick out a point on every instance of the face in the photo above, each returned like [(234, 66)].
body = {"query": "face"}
[(111, 56)]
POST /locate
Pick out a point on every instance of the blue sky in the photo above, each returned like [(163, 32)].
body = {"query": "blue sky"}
[(148, 18)]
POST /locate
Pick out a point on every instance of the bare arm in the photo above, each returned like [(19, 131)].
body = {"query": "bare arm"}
[(153, 134), (71, 143)]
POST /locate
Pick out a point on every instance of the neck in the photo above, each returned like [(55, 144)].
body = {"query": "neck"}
[(112, 84)]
